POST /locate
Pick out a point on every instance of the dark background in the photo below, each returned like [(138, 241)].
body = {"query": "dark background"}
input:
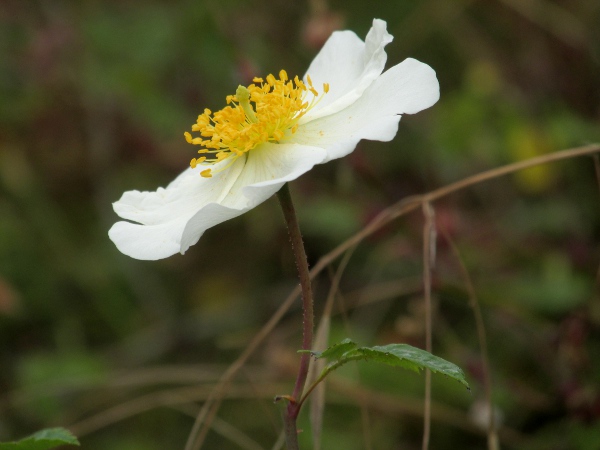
[(94, 99)]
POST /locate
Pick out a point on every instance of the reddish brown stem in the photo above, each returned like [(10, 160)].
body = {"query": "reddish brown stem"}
[(293, 408)]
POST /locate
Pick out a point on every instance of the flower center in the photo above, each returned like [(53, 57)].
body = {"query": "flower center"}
[(263, 112)]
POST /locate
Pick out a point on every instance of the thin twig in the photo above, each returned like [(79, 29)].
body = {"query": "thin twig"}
[(553, 18), (386, 216), (428, 263), (410, 204), (235, 435), (317, 400), (166, 397), (381, 291), (343, 309), (213, 402), (390, 405), (480, 326)]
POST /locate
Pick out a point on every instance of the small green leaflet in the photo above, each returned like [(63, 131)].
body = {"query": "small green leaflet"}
[(397, 355), (42, 440)]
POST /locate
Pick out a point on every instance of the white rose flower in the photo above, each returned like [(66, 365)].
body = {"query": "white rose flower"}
[(272, 132)]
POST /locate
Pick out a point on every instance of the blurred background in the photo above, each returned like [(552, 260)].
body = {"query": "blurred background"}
[(94, 99)]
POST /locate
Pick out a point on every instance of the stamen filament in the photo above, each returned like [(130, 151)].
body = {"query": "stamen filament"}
[(241, 126)]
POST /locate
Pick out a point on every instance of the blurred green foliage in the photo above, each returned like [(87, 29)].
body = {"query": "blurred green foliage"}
[(42, 440), (94, 100)]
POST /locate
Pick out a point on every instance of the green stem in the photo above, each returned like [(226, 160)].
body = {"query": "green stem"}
[(293, 408)]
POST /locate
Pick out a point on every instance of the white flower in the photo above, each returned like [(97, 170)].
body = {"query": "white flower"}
[(254, 149)]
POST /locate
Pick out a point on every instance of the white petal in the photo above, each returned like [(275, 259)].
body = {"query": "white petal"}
[(164, 214), (349, 66), (173, 219), (273, 164), (149, 242), (267, 168), (408, 87), (182, 197)]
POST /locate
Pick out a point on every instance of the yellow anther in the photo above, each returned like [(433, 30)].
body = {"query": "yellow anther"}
[(262, 112)]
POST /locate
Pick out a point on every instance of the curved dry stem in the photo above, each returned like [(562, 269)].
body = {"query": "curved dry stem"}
[(389, 214), (166, 398), (317, 401), (348, 392), (429, 232), (211, 405), (481, 334)]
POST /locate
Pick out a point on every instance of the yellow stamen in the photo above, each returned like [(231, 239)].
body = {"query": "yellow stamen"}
[(262, 112)]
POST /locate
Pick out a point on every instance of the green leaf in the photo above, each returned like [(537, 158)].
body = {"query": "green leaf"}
[(336, 350), (42, 440), (396, 355)]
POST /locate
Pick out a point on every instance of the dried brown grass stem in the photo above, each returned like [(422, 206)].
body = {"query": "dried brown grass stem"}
[(210, 407)]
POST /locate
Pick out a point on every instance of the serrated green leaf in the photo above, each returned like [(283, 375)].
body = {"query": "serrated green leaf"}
[(336, 350), (395, 355), (42, 440), (386, 357)]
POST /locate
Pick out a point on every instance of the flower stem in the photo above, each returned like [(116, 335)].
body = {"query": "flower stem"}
[(293, 408)]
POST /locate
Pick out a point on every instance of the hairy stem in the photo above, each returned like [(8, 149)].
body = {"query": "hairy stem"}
[(293, 408)]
